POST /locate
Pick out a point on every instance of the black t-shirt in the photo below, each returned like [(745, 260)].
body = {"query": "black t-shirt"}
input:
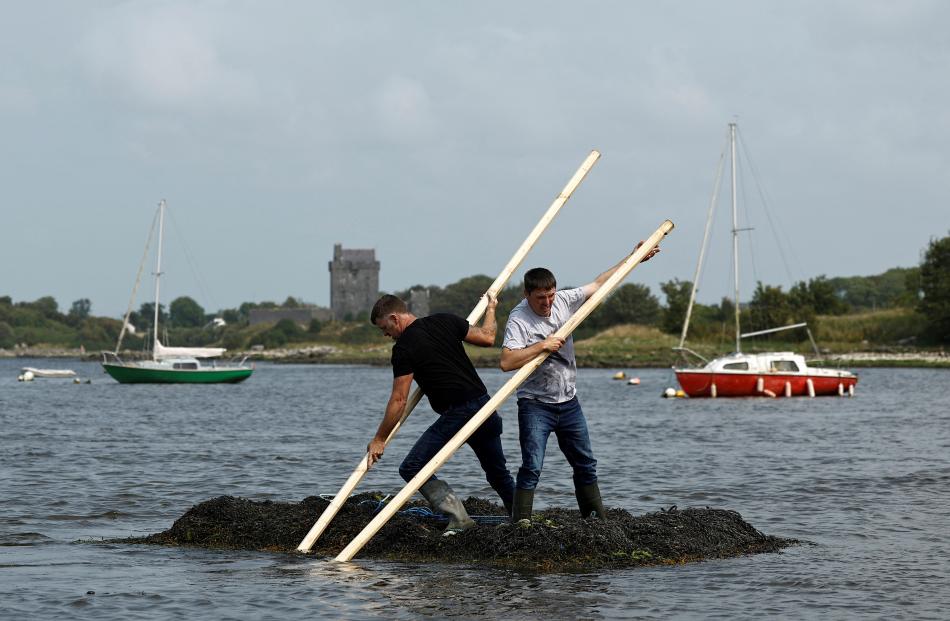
[(431, 349)]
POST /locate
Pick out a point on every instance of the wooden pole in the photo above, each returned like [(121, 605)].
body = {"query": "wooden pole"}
[(510, 386), (363, 467)]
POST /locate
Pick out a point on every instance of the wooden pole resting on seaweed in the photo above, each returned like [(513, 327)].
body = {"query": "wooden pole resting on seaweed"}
[(503, 393), (363, 467)]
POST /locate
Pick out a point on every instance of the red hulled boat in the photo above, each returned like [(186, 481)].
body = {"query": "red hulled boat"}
[(771, 374)]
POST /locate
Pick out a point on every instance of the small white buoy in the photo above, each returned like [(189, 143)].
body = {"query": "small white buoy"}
[(619, 375), (19, 377), (76, 380), (634, 381), (28, 376), (669, 393)]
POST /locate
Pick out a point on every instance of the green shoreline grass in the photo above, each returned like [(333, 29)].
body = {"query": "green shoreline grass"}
[(627, 346)]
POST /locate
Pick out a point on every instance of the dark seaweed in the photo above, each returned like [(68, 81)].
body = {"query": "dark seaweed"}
[(556, 540)]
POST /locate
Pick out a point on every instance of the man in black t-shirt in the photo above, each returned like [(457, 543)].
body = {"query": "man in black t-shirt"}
[(429, 350)]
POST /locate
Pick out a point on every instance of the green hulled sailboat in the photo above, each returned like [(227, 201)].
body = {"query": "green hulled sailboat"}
[(171, 365)]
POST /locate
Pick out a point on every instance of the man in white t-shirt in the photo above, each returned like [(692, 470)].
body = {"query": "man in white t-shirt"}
[(547, 400)]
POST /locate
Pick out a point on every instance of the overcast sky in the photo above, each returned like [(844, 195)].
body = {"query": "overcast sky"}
[(439, 132)]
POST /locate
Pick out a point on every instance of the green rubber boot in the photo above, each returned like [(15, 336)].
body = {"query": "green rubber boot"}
[(589, 501), (521, 505), (443, 500)]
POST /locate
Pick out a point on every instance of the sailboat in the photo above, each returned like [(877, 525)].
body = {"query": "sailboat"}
[(739, 374), (171, 365)]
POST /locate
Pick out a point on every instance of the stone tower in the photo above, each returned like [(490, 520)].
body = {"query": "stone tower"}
[(354, 282)]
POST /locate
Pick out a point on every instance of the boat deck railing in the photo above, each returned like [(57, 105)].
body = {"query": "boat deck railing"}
[(685, 352), (236, 361), (111, 357)]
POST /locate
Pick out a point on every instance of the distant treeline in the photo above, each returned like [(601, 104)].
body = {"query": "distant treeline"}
[(770, 306), (924, 291)]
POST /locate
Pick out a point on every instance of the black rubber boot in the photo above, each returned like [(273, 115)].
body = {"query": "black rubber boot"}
[(522, 503), (443, 500), (589, 501)]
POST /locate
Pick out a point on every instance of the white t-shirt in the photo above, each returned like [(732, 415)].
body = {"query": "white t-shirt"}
[(554, 381)]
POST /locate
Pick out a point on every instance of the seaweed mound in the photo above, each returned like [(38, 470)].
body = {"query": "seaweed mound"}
[(556, 540)]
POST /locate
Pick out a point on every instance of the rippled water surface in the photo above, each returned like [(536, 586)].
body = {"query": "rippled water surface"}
[(866, 481)]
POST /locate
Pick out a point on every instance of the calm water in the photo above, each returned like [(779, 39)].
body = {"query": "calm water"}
[(866, 480)]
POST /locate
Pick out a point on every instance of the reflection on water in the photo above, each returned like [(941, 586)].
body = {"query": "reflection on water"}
[(864, 480), (412, 590)]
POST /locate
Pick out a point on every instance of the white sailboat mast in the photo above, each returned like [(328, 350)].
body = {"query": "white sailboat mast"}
[(735, 230), (158, 272)]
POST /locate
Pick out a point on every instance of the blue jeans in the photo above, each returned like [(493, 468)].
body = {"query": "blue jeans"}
[(536, 421), (486, 442)]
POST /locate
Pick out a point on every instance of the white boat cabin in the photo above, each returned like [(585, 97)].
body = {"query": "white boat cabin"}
[(771, 362)]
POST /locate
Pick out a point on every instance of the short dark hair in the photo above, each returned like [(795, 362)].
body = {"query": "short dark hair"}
[(539, 278), (387, 305)]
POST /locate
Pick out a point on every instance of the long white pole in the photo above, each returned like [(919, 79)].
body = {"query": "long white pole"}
[(510, 386), (363, 467), (158, 273)]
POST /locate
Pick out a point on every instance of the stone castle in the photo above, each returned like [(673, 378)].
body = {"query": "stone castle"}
[(354, 281), (354, 289)]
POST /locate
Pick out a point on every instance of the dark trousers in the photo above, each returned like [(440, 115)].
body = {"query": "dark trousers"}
[(486, 442), (536, 421)]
